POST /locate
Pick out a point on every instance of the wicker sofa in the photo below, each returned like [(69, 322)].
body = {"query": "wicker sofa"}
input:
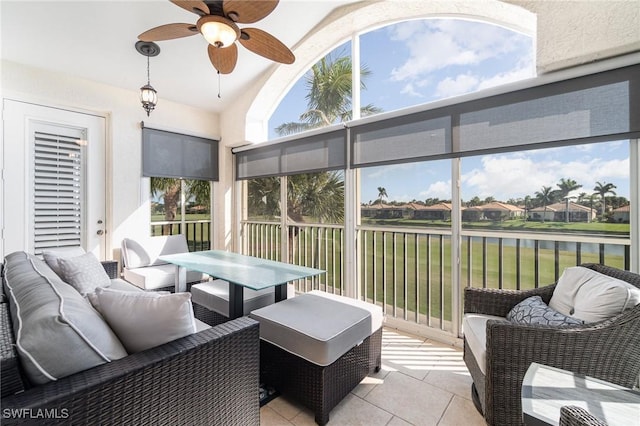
[(209, 377), (607, 350)]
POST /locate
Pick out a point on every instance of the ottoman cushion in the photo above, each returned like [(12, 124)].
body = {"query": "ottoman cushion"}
[(315, 328), (377, 316), (214, 295)]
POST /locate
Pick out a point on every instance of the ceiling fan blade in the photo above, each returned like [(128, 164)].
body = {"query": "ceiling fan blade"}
[(196, 6), (223, 58), (248, 11), (264, 44), (169, 32)]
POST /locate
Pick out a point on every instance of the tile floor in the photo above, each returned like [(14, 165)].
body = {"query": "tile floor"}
[(422, 382)]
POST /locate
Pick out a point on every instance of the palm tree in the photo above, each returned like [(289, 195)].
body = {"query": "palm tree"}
[(329, 95), (545, 196), (566, 186), (602, 189), (382, 193), (170, 188), (316, 195)]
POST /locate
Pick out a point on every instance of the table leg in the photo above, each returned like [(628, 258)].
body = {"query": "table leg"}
[(280, 292), (236, 301), (181, 279)]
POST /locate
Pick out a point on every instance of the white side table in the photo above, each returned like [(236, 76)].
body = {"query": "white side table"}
[(546, 389)]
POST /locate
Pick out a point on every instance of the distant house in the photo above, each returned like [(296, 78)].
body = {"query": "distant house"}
[(440, 211), (492, 211), (384, 211), (557, 212), (622, 214), (471, 214)]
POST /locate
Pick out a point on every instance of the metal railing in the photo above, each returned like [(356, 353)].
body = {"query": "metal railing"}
[(407, 271), (197, 232)]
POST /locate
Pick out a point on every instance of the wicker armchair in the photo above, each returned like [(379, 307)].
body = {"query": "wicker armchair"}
[(571, 415), (607, 350)]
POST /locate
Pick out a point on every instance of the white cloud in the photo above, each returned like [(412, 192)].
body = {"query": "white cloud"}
[(463, 83), (435, 44), (440, 189), (511, 176)]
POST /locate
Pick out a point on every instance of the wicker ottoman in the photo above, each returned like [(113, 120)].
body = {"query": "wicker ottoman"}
[(211, 301), (315, 349)]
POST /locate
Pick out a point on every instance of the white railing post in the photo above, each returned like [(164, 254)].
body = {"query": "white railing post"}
[(634, 207), (456, 245)]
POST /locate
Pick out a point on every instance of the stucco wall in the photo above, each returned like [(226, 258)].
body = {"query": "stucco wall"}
[(571, 33), (129, 209)]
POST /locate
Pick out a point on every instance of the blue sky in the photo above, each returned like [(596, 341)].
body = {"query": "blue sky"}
[(421, 61)]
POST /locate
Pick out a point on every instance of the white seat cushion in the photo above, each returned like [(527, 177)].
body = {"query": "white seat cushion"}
[(214, 295), (154, 277), (315, 328), (474, 327), (137, 254), (377, 316)]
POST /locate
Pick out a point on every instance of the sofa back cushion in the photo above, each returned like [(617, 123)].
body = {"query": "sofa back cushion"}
[(57, 331), (591, 296), (138, 254)]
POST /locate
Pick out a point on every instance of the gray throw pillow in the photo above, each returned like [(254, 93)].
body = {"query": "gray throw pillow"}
[(85, 273), (533, 310)]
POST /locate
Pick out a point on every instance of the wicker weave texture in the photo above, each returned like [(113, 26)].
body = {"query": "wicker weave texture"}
[(571, 415), (607, 350), (208, 378), (111, 268), (316, 387), (10, 379)]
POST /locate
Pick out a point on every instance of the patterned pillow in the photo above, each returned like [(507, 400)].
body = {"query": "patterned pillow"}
[(533, 310), (85, 273)]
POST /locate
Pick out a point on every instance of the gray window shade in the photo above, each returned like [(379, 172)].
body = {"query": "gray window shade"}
[(592, 108), (174, 155), (406, 138), (326, 151), (57, 201)]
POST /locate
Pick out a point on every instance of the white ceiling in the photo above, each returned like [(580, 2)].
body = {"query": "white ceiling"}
[(95, 40)]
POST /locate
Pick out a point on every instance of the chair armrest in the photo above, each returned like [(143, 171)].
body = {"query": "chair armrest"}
[(570, 415), (210, 377), (111, 268), (606, 350), (499, 302)]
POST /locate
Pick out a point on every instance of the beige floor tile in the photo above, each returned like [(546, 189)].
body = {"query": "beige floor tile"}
[(354, 411), (461, 412), (410, 399), (268, 417), (396, 421), (454, 381), (370, 382), (285, 407)]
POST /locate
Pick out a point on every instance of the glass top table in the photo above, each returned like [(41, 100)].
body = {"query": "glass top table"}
[(545, 390), (240, 271)]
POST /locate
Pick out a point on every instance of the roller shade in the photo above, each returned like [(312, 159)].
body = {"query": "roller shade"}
[(307, 154), (591, 108), (174, 155)]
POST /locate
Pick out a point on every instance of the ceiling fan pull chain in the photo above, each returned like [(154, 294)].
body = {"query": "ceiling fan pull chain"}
[(219, 97)]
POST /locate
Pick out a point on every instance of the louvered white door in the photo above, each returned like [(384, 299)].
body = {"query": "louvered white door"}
[(57, 187), (54, 187)]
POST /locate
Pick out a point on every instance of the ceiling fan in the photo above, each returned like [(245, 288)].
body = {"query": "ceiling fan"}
[(218, 25)]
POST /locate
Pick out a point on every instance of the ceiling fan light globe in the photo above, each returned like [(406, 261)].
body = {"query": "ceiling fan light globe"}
[(218, 31)]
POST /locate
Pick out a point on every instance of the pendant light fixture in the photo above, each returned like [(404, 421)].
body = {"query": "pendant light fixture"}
[(148, 95)]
